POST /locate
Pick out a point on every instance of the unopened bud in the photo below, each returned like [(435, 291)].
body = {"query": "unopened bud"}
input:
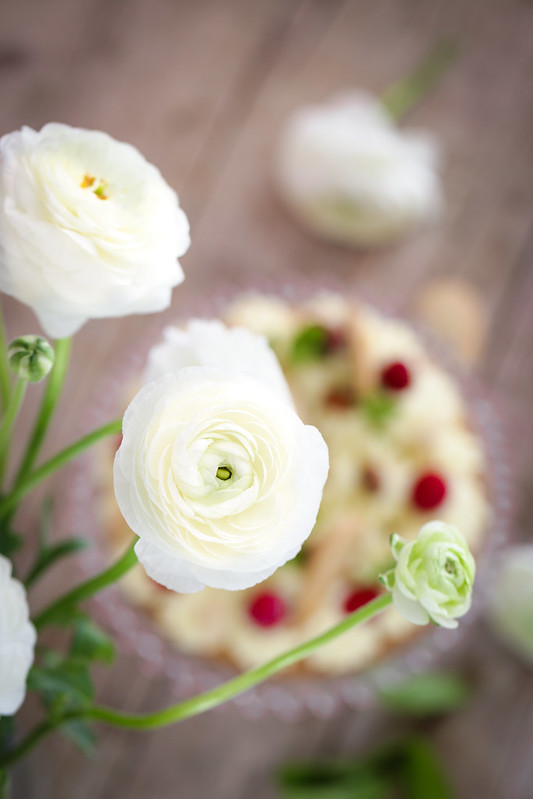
[(31, 357)]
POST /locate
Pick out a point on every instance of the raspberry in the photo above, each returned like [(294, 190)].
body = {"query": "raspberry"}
[(396, 376), (267, 609), (359, 597), (429, 491)]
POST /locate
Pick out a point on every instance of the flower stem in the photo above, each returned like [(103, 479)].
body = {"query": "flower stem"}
[(403, 95), (11, 500), (50, 399), (87, 589), (5, 785), (241, 683), (6, 429), (5, 383), (209, 699)]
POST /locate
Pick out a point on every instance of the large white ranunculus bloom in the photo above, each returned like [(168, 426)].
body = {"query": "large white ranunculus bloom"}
[(352, 176), (433, 576), (17, 641), (88, 228), (218, 477)]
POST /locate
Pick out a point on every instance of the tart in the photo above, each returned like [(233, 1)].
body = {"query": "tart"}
[(403, 451)]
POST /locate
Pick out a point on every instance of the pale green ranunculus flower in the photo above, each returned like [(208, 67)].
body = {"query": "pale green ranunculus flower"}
[(433, 576)]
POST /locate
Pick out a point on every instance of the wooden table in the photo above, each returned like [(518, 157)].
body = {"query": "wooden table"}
[(202, 89)]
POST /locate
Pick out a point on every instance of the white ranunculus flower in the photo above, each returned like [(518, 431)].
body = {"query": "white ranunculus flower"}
[(210, 343), (433, 576), (88, 228), (351, 175), (511, 600), (218, 477), (17, 641)]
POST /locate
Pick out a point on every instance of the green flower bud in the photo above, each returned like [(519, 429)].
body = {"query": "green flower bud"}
[(433, 576), (31, 357)]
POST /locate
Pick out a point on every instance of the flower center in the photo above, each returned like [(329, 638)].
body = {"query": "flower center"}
[(100, 190), (450, 566), (224, 473)]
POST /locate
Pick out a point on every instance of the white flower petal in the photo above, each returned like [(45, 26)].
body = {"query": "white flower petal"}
[(17, 641), (210, 343), (410, 609)]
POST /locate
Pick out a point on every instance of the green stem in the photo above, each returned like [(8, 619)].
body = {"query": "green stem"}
[(10, 501), (209, 699), (241, 683), (6, 429), (5, 382), (403, 95), (5, 785), (87, 589), (49, 401)]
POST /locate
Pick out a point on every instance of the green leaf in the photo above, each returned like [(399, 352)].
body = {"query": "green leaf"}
[(7, 731), (5, 785), (91, 643), (427, 694), (309, 344), (45, 522), (373, 788), (378, 408), (50, 555), (63, 684), (81, 734), (407, 768), (423, 775), (342, 780), (10, 541)]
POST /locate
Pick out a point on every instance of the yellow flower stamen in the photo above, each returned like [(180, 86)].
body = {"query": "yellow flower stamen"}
[(100, 192), (88, 182)]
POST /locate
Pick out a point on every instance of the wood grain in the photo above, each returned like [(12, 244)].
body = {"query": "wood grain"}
[(202, 89)]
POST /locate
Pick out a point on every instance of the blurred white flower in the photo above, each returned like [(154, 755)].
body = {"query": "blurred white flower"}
[(17, 641), (433, 576), (210, 343), (88, 228), (511, 600), (351, 175)]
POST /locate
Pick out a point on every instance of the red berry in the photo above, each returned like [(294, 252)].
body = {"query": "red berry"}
[(396, 376), (359, 597), (429, 491), (267, 609)]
